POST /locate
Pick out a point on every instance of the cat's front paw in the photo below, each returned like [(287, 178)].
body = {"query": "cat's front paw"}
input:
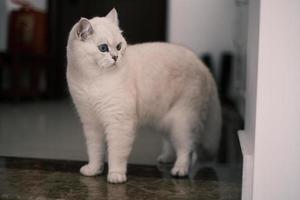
[(90, 170), (180, 170), (116, 177)]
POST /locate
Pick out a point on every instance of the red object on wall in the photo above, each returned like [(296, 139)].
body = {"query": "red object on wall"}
[(26, 57), (27, 31)]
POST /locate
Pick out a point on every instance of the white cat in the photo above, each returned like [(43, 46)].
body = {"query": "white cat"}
[(117, 88)]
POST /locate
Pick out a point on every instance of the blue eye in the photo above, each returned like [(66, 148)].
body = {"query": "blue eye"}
[(103, 47)]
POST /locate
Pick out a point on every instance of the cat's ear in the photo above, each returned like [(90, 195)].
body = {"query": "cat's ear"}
[(113, 16), (84, 29)]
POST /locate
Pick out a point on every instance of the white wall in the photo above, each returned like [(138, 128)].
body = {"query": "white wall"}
[(272, 117), (203, 25), (247, 137), (252, 62), (277, 138)]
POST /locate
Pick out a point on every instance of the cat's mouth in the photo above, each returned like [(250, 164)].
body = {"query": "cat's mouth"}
[(111, 66), (107, 65)]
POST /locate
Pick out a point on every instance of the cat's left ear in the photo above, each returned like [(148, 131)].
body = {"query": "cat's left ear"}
[(113, 16)]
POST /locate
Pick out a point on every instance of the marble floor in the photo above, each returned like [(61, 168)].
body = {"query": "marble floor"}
[(22, 178)]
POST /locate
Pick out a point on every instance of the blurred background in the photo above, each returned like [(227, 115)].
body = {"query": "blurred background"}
[(37, 117)]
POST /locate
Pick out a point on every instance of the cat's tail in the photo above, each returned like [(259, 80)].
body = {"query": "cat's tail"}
[(210, 131)]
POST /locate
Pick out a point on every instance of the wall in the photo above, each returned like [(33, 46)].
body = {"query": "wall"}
[(38, 4), (277, 138), (3, 25), (240, 65), (247, 137), (5, 7), (203, 25), (273, 96)]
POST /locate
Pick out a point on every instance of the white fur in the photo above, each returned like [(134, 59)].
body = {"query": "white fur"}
[(153, 83)]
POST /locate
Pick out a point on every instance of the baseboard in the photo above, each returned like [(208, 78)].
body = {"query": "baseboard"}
[(247, 182)]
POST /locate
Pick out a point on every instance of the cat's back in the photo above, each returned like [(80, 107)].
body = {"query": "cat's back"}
[(155, 46), (161, 50), (165, 56), (167, 61)]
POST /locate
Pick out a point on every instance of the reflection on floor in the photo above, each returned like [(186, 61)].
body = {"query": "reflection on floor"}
[(53, 179), (52, 130)]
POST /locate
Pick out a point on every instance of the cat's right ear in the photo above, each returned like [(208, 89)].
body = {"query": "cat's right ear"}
[(84, 29)]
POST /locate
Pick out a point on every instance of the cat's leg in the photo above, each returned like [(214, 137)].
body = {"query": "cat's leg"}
[(119, 144), (95, 148), (181, 137), (167, 155)]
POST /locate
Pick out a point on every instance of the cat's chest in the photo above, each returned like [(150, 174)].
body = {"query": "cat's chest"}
[(82, 92), (98, 94)]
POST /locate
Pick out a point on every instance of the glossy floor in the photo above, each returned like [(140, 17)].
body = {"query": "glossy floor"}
[(53, 179), (52, 130)]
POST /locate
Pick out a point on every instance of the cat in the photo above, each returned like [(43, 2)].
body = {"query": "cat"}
[(117, 88)]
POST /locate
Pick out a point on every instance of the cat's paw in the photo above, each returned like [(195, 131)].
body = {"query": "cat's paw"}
[(90, 170), (116, 177), (163, 158), (180, 171)]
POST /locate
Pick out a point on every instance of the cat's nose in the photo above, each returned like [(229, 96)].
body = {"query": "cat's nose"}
[(115, 58)]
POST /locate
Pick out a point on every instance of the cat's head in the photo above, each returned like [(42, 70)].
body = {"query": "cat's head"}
[(99, 40)]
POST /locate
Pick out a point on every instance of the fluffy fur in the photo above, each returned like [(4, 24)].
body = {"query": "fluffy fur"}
[(161, 84)]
